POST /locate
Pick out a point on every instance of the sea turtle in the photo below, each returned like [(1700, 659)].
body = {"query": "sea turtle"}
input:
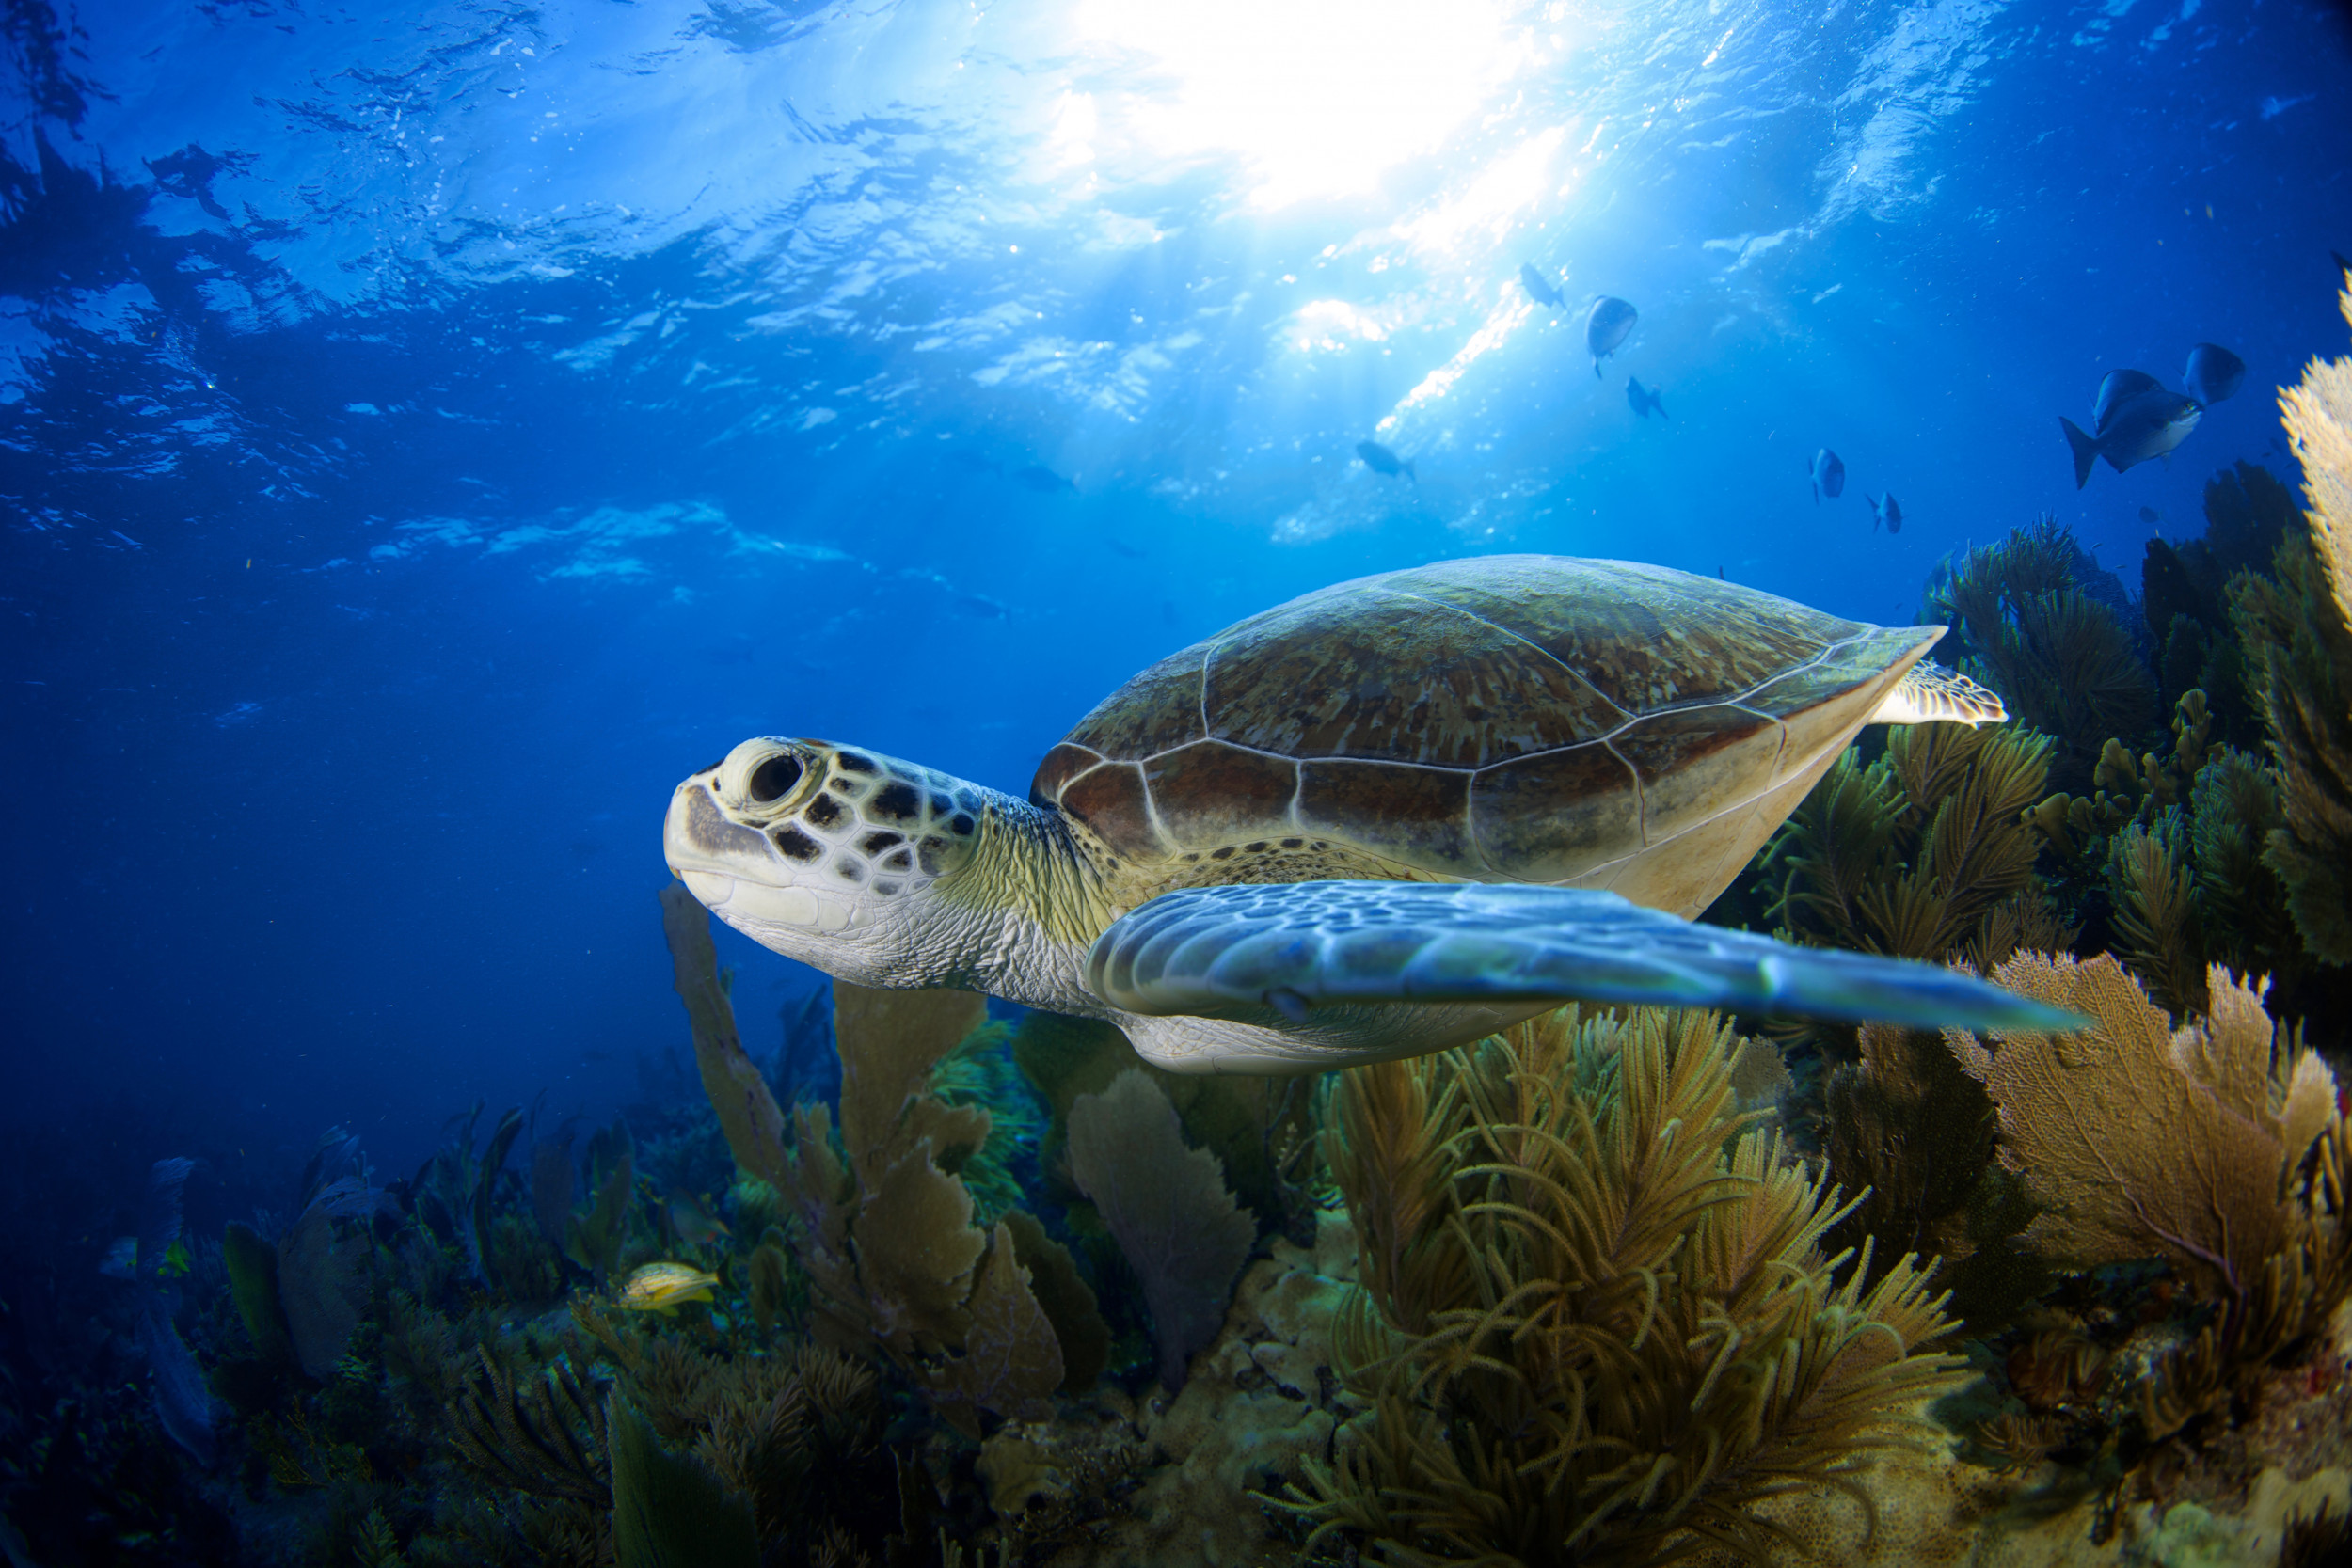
[(1279, 849)]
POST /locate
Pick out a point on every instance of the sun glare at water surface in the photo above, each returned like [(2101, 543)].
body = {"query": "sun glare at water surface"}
[(1314, 98)]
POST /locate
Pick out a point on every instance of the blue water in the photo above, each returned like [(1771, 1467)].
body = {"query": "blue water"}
[(428, 432)]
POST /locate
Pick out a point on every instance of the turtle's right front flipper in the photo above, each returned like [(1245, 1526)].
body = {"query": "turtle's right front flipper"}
[(1278, 955)]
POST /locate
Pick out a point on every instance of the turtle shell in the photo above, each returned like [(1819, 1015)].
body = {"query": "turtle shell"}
[(1537, 719)]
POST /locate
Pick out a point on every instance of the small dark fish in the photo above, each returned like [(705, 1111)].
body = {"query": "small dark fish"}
[(1829, 475), (1643, 398), (693, 1223), (2148, 425), (2343, 267), (1538, 287), (1044, 480), (2214, 372), (2117, 389), (1606, 327), (1380, 460), (1719, 575), (1887, 509), (2150, 515), (1133, 552)]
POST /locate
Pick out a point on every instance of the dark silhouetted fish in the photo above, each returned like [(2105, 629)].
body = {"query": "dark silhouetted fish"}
[(2147, 424), (1606, 327), (1044, 480), (1380, 460), (2214, 372), (1887, 509), (691, 1221), (2342, 267), (2150, 515), (2116, 389), (1538, 287), (1829, 475), (1643, 398), (1133, 552)]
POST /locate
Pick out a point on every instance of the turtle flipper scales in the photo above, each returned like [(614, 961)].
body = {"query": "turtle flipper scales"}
[(1294, 947)]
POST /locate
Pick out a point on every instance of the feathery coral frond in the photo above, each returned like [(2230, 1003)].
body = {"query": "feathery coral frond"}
[(1635, 1334)]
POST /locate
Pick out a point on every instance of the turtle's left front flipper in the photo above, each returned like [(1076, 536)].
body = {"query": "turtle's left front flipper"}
[(1297, 945)]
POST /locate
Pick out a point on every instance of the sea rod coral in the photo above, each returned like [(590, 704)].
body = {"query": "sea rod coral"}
[(1600, 1326)]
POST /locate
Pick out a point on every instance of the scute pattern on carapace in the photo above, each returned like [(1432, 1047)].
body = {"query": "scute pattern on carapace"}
[(1512, 718)]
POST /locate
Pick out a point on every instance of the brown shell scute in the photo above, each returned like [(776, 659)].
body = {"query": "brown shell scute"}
[(1391, 676), (1111, 800), (1645, 636), (1520, 717), (1419, 815)]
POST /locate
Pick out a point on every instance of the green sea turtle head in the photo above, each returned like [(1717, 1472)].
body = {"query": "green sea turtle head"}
[(818, 850)]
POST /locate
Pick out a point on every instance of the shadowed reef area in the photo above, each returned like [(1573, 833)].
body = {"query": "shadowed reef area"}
[(1618, 1286)]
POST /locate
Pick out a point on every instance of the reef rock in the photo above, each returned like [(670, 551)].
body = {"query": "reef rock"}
[(1261, 1396)]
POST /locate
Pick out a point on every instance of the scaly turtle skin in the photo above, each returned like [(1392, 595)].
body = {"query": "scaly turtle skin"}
[(1583, 729)]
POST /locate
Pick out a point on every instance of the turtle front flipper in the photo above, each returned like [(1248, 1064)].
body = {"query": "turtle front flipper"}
[(1329, 963)]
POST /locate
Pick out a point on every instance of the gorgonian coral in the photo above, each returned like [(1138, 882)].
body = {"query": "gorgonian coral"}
[(2218, 1148), (2297, 633), (1601, 1325)]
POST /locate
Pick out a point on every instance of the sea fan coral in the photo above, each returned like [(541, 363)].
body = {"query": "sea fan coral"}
[(1600, 1326), (1168, 1208), (885, 1229), (2218, 1148)]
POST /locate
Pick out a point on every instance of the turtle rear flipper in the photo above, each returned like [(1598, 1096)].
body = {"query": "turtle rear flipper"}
[(1330, 961)]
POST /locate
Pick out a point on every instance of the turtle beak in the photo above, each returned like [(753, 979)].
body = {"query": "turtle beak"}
[(707, 852)]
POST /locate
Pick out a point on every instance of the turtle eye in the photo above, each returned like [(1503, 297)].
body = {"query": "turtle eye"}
[(774, 780)]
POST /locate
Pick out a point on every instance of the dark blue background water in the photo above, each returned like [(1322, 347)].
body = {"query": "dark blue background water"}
[(427, 432)]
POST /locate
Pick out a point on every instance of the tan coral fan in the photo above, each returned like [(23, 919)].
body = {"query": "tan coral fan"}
[(2143, 1142), (2318, 414), (2218, 1146)]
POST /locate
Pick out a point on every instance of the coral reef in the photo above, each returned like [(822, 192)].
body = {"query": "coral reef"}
[(454, 1190), (2165, 860), (2025, 623), (592, 1240), (885, 1231), (1912, 1135), (1922, 853), (2297, 633), (1257, 1127), (324, 1271), (183, 1402), (1628, 1334), (2221, 1149), (1168, 1208), (669, 1512), (2184, 596)]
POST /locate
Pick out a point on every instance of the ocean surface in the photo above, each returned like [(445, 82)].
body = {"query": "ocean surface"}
[(428, 432)]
